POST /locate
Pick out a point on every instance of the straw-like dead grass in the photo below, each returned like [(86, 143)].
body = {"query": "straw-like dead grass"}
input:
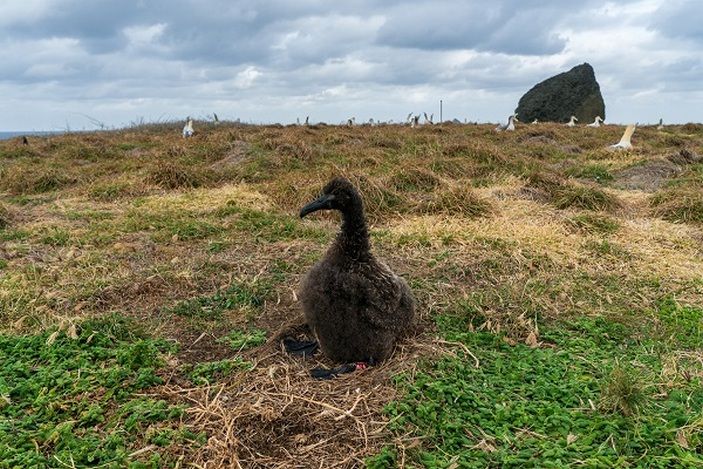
[(277, 416), (20, 180), (681, 205), (489, 229), (4, 216), (175, 175)]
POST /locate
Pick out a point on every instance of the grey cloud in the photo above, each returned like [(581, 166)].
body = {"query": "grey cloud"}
[(680, 19), (269, 58), (512, 27)]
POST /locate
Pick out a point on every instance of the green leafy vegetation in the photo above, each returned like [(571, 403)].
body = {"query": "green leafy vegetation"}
[(67, 397), (497, 233), (592, 398), (240, 340), (169, 224), (20, 180), (209, 372), (683, 325)]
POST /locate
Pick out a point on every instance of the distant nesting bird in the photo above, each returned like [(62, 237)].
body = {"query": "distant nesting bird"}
[(409, 118), (535, 121), (661, 124), (297, 121), (572, 122), (596, 122), (510, 125), (307, 120), (428, 120), (24, 140), (188, 128), (351, 121), (355, 305), (625, 143), (217, 121), (415, 121)]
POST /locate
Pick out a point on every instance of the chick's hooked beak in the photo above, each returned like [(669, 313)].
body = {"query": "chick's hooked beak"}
[(324, 202)]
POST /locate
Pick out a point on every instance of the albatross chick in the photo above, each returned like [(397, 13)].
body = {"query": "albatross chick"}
[(354, 304)]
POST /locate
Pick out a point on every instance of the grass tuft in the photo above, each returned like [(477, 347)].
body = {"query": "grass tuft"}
[(623, 392), (679, 204), (587, 197), (20, 180), (594, 223), (458, 200), (413, 180), (4, 216), (596, 172), (174, 175)]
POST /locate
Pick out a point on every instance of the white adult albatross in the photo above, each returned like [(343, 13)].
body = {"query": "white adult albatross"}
[(572, 122), (188, 128), (596, 122), (510, 125), (625, 143)]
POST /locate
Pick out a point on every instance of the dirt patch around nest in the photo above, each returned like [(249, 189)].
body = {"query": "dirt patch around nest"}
[(647, 177)]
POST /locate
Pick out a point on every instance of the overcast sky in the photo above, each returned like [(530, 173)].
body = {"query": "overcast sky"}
[(69, 63)]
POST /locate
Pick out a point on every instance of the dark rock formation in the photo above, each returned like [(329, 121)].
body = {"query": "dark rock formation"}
[(575, 92)]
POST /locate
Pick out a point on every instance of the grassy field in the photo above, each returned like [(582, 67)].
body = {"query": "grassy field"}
[(144, 279)]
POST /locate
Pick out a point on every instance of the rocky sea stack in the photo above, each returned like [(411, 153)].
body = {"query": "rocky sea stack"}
[(556, 99)]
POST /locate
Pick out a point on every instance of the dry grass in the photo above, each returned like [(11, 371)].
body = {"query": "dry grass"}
[(587, 197), (20, 180), (456, 200), (4, 216), (679, 205), (276, 416), (174, 175), (489, 224)]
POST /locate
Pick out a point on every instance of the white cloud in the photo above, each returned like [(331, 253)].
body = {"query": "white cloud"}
[(141, 35), (274, 60), (246, 78)]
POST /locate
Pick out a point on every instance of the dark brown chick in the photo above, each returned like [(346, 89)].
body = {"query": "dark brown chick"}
[(354, 304)]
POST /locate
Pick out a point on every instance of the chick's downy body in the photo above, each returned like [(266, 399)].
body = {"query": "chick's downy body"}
[(356, 306)]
